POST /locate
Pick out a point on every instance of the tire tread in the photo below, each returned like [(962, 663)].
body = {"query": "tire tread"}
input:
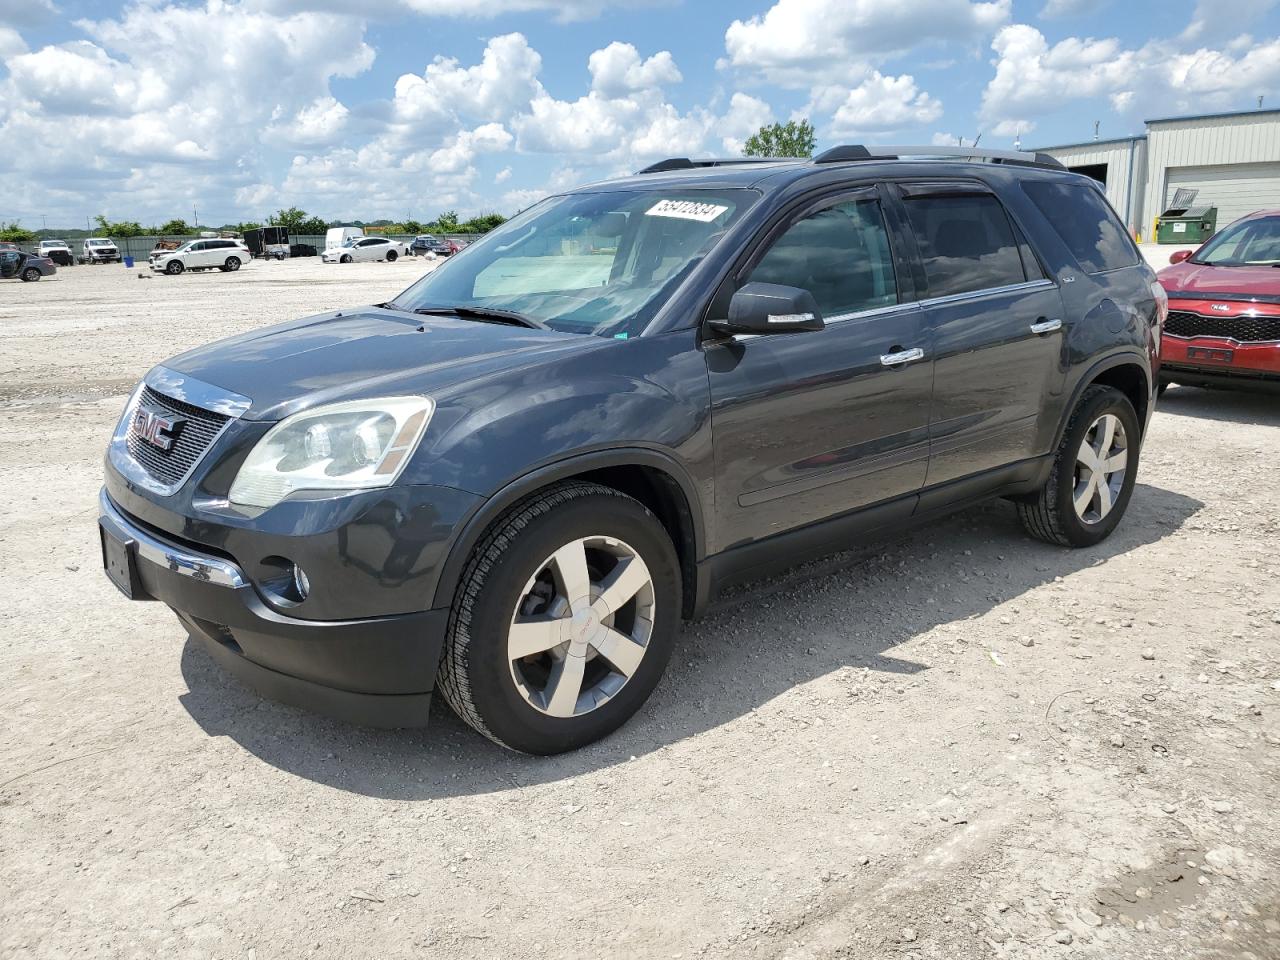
[(453, 678)]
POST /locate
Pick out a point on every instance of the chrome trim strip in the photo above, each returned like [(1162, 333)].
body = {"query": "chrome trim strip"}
[(987, 292), (179, 560), (1210, 336), (180, 386)]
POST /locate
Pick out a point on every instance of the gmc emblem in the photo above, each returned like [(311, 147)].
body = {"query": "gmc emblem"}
[(156, 428)]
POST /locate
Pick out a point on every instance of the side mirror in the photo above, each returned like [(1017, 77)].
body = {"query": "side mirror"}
[(1179, 255), (767, 308)]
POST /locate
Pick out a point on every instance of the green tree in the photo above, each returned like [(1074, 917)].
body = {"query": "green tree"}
[(794, 138), (290, 217), (119, 228), (14, 233), (246, 226), (483, 223), (412, 226), (312, 226), (447, 222), (176, 226)]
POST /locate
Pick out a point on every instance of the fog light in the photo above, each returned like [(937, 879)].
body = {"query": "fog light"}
[(300, 582)]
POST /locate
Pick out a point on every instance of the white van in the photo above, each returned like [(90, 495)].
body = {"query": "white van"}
[(335, 237)]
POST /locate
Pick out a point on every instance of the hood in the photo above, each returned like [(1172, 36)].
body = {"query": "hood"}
[(366, 352), (1200, 281)]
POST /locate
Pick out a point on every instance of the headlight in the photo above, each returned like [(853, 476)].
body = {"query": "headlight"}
[(343, 446)]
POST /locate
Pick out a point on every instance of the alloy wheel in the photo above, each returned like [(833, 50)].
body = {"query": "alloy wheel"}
[(581, 626), (1101, 464)]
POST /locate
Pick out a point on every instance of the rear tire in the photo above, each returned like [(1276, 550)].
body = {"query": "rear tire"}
[(391, 256), (174, 267), (232, 265), (1079, 506), (30, 275), (607, 665)]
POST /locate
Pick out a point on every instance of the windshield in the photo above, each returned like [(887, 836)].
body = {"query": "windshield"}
[(55, 243), (351, 241), (1249, 243), (99, 243), (597, 263)]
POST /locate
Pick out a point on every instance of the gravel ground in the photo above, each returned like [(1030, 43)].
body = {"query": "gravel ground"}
[(958, 744)]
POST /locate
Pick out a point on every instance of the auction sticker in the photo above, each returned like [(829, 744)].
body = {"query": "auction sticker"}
[(686, 210)]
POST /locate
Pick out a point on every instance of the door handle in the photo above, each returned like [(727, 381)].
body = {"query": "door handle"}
[(901, 357), (1041, 327)]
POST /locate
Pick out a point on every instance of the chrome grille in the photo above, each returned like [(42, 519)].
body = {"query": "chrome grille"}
[(191, 438), (1245, 329)]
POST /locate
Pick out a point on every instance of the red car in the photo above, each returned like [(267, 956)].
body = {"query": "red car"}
[(1224, 308)]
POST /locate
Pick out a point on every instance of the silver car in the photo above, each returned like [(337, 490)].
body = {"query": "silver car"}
[(27, 266)]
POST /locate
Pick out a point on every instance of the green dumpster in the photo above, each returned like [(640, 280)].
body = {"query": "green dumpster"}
[(1185, 224)]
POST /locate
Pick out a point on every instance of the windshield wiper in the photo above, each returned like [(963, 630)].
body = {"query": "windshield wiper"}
[(485, 315)]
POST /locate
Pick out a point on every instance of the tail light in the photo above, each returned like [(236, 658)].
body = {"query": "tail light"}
[(1162, 311)]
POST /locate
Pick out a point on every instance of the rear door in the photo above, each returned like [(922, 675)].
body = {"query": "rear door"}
[(996, 323), (810, 425)]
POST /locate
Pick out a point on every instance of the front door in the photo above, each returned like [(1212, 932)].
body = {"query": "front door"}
[(810, 425), (997, 327)]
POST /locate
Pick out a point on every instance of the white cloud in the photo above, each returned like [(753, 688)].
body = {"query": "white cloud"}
[(565, 11), (617, 70), (800, 42), (1033, 78), (745, 116), (1216, 19), (1070, 8), (11, 44), (503, 81), (879, 104), (502, 176), (319, 122)]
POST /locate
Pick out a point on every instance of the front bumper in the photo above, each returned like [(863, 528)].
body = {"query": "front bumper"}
[(1218, 360), (375, 671)]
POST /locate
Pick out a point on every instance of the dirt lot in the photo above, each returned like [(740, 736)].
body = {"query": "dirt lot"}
[(960, 744)]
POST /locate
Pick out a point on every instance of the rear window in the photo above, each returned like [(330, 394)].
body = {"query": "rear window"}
[(966, 242), (1085, 222)]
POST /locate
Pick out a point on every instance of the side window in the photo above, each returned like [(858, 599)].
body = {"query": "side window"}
[(1030, 265), (197, 247), (1086, 224), (966, 242), (839, 254)]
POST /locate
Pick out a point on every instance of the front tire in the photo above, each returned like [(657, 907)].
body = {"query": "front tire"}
[(564, 620), (30, 275), (346, 258), (1094, 470), (174, 267)]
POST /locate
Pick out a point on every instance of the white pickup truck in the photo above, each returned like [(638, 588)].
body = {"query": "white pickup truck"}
[(100, 250)]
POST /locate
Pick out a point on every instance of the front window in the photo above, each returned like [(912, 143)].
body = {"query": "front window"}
[(1249, 243), (99, 243), (597, 263)]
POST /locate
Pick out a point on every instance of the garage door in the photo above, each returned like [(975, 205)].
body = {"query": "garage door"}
[(1235, 188)]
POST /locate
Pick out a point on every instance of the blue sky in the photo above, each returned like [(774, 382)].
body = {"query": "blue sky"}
[(366, 109)]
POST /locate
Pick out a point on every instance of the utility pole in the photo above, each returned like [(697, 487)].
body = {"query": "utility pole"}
[(1260, 101), (1096, 125), (195, 217)]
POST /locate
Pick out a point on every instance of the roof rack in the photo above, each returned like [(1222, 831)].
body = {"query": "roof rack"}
[(856, 151), (684, 163)]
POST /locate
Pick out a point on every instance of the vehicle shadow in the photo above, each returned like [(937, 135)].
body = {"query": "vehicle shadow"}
[(1231, 406), (846, 610)]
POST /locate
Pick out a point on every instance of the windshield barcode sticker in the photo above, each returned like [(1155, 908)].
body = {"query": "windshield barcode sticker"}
[(686, 210)]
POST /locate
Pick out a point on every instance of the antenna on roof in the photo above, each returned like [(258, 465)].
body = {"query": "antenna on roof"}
[(1260, 101)]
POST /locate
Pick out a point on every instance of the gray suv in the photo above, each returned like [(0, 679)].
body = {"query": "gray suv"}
[(512, 482)]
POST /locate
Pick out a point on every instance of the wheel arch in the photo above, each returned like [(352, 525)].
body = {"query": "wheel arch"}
[(1128, 373), (654, 478)]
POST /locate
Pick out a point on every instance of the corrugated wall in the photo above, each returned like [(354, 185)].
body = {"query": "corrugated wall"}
[(1208, 141)]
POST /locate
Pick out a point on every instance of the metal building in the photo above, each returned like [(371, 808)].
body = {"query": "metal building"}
[(1232, 159)]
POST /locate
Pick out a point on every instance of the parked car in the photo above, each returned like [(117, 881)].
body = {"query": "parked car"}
[(439, 246), (1224, 308), (511, 482), (57, 251), (28, 267), (336, 237), (224, 255), (9, 245), (366, 248), (100, 250)]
